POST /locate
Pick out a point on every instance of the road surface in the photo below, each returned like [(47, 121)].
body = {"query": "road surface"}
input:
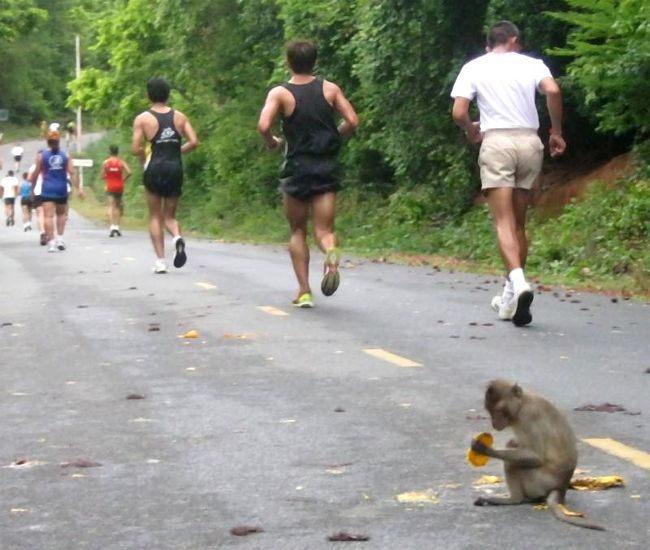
[(303, 423)]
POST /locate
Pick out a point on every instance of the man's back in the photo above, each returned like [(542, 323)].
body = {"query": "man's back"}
[(504, 85)]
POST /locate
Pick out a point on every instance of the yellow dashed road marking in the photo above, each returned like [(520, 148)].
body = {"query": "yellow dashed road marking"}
[(273, 311), (128, 259), (391, 357), (206, 286), (639, 458)]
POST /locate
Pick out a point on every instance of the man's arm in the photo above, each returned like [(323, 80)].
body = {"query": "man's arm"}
[(344, 108), (190, 135), (460, 114), (268, 115), (127, 171), (136, 140), (553, 94)]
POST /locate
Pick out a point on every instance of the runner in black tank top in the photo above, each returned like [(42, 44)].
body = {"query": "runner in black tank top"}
[(313, 142), (164, 172)]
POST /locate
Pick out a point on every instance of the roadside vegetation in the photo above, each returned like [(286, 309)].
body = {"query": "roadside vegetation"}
[(411, 181)]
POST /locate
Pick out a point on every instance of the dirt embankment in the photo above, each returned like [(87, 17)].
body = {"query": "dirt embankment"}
[(559, 186)]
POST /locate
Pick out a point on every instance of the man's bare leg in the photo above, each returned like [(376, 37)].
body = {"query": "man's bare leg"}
[(169, 216), (154, 203), (297, 213), (501, 203), (521, 201), (324, 212)]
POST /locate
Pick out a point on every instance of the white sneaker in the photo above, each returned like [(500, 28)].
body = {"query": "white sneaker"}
[(60, 244), (523, 298), (503, 308), (52, 247), (160, 266)]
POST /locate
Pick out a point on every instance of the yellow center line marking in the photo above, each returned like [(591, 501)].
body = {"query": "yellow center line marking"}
[(207, 286), (639, 458), (391, 357), (273, 311), (129, 259)]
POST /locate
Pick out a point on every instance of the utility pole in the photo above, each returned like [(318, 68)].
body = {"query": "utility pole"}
[(77, 74)]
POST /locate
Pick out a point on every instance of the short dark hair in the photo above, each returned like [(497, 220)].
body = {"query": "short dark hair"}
[(501, 32), (158, 89), (114, 149), (301, 55), (25, 174)]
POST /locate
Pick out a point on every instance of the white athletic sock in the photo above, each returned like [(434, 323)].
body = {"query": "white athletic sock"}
[(176, 238), (508, 291), (518, 279)]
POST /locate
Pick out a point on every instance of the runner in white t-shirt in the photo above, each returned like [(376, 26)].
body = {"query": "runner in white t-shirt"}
[(17, 152), (504, 83), (9, 189)]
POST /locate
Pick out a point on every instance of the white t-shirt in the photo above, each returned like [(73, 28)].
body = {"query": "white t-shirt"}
[(504, 85), (17, 151), (9, 183)]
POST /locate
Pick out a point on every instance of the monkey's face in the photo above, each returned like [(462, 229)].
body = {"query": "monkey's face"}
[(503, 401)]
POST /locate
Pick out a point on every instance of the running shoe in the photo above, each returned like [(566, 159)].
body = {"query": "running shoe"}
[(117, 232), (60, 244), (160, 266), (180, 257), (52, 247), (331, 276), (43, 240), (504, 309), (112, 233), (305, 300), (523, 298)]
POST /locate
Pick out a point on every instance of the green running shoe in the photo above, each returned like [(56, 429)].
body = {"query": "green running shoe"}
[(305, 300)]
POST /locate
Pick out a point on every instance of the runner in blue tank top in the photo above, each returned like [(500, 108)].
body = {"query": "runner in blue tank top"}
[(310, 175), (54, 165), (163, 128)]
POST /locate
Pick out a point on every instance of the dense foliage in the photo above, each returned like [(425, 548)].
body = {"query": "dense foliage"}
[(408, 169)]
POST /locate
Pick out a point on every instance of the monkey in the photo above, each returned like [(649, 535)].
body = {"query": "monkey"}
[(540, 460)]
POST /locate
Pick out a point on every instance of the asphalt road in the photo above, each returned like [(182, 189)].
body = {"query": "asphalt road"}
[(280, 418)]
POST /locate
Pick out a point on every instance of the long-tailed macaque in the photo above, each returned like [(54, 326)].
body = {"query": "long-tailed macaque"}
[(539, 461)]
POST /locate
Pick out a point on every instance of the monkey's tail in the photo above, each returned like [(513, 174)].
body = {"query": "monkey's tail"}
[(553, 502)]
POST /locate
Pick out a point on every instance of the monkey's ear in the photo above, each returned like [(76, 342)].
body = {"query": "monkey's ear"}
[(517, 391)]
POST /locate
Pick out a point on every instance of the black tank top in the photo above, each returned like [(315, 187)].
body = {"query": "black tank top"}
[(166, 144), (311, 129)]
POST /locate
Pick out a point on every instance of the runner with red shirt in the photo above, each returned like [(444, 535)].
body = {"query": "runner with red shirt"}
[(115, 173)]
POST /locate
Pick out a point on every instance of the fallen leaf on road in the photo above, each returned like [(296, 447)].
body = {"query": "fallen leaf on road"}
[(605, 407), (189, 334), (347, 537), (417, 497), (81, 463), (135, 396), (342, 410), (82, 306), (488, 480), (232, 336), (647, 371), (245, 530), (598, 483)]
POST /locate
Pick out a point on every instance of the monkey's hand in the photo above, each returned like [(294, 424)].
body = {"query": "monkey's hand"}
[(480, 448)]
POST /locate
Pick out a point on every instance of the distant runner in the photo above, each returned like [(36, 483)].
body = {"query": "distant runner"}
[(504, 83), (115, 172), (36, 200), (310, 175), (164, 129), (9, 188), (26, 203), (55, 165), (17, 152)]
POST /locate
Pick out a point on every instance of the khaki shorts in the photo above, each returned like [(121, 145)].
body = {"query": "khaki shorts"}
[(510, 158)]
